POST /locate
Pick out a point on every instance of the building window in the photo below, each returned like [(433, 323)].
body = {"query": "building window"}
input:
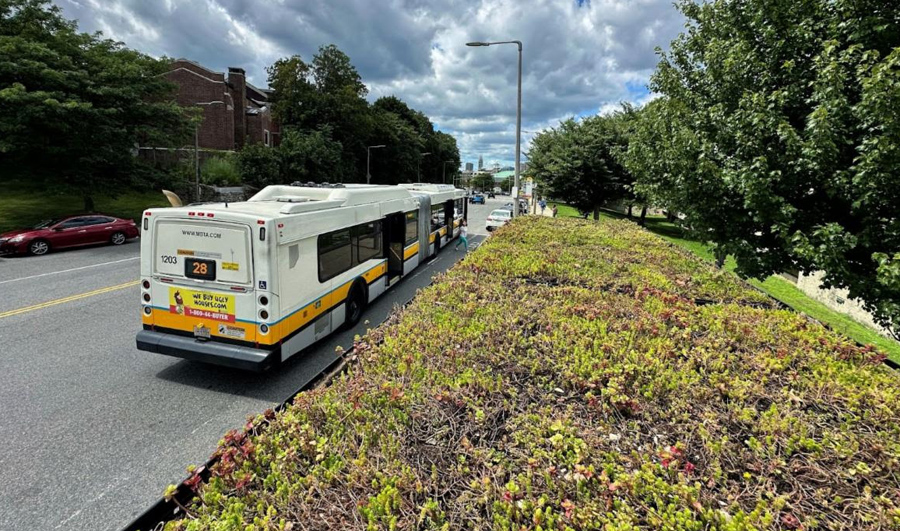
[(266, 139), (412, 227)]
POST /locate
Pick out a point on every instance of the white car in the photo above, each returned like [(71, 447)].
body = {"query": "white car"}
[(498, 218)]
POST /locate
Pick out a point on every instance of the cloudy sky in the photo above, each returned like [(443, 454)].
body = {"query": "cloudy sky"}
[(580, 57)]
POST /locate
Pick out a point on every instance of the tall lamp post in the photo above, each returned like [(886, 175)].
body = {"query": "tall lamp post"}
[(419, 166), (368, 158), (444, 173), (518, 114)]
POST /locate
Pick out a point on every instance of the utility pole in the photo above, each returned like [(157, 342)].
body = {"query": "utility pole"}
[(368, 158), (197, 159), (419, 166), (444, 173)]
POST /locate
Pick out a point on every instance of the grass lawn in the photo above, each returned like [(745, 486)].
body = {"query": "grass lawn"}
[(776, 286), (23, 208)]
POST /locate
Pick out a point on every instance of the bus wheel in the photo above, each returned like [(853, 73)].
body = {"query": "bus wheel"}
[(356, 303)]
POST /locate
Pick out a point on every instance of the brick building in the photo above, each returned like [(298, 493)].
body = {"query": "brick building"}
[(235, 113)]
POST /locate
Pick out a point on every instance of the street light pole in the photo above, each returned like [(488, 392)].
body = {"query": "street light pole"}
[(419, 166), (197, 159), (368, 158), (518, 115), (444, 173)]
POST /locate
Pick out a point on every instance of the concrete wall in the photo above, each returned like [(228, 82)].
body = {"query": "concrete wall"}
[(837, 300)]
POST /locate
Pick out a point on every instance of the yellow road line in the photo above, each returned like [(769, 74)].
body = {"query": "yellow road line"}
[(71, 298)]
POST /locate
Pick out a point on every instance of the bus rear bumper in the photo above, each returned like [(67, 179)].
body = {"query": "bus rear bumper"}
[(235, 356)]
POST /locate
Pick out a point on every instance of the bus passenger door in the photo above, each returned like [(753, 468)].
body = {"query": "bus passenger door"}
[(448, 219), (395, 237)]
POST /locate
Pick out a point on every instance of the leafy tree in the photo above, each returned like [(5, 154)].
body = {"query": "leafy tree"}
[(578, 162), (334, 74), (329, 93), (399, 159), (294, 95), (417, 120), (74, 106), (259, 165), (326, 93), (779, 139), (445, 156), (483, 182), (310, 156)]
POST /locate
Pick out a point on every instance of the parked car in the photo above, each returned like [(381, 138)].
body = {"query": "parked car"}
[(72, 231), (498, 218), (477, 198)]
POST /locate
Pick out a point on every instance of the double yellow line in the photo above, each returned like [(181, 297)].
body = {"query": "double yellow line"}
[(71, 298)]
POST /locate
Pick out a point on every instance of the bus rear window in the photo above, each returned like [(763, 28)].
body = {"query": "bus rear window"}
[(184, 248)]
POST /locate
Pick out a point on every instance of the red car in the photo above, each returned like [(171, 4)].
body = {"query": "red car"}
[(68, 232)]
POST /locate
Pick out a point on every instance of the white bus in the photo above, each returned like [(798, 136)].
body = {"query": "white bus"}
[(252, 283)]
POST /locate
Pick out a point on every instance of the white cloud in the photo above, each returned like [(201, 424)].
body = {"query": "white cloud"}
[(580, 57)]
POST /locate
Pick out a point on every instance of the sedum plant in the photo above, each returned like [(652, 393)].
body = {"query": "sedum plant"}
[(571, 375)]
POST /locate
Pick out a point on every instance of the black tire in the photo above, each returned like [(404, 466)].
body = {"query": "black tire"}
[(356, 305), (118, 238), (39, 247)]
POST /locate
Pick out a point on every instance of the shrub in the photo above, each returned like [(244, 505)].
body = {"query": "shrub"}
[(220, 171), (577, 375), (259, 165)]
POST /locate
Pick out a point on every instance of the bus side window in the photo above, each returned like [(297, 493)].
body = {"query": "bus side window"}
[(437, 217), (367, 239), (412, 228), (335, 255)]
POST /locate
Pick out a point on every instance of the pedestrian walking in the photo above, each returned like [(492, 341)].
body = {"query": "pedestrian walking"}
[(543, 206), (555, 210), (463, 236)]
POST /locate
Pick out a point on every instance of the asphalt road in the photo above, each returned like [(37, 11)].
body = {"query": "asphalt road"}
[(94, 429)]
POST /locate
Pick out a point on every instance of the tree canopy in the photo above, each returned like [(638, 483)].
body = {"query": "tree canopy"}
[(579, 161), (325, 100), (778, 138), (74, 106)]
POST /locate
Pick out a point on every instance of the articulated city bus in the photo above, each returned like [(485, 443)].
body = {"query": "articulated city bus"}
[(252, 283)]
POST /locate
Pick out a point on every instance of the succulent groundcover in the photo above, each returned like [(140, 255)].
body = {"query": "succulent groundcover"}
[(577, 375)]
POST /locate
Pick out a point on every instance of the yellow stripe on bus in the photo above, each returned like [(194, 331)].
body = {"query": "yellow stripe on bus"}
[(410, 251), (163, 318), (277, 331)]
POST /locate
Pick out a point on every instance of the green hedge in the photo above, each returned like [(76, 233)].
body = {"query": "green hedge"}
[(565, 376)]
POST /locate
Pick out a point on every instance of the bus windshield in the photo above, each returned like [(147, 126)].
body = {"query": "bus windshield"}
[(203, 250)]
